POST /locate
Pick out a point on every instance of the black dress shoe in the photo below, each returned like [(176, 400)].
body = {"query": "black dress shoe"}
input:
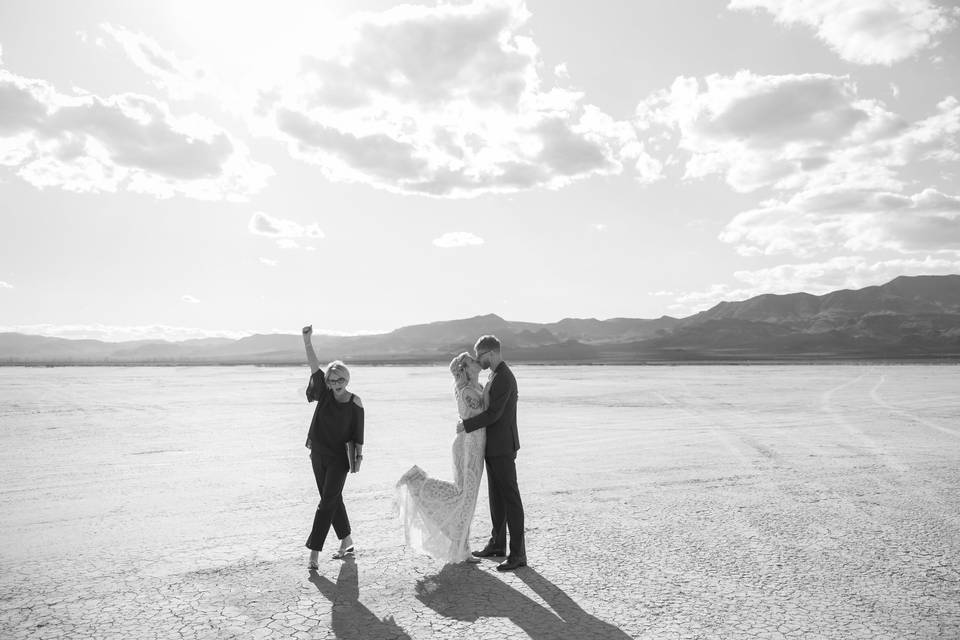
[(490, 552), (512, 563)]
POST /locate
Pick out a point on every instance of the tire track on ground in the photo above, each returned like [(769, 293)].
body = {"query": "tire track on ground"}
[(865, 442), (905, 476), (925, 491), (708, 422), (758, 462), (913, 417)]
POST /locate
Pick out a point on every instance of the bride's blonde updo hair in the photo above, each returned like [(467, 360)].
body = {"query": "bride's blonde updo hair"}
[(458, 367)]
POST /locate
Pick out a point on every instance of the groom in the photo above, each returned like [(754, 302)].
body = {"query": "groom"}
[(500, 420)]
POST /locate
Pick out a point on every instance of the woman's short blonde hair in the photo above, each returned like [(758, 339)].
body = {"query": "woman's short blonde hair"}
[(337, 367)]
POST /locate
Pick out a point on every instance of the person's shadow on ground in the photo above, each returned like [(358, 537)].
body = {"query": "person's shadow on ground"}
[(349, 618), (466, 592)]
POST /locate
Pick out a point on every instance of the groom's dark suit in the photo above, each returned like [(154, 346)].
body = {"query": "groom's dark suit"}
[(500, 420)]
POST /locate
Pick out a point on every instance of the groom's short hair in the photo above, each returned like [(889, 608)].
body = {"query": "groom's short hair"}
[(487, 343)]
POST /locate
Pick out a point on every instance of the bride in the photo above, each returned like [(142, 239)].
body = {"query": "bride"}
[(435, 514)]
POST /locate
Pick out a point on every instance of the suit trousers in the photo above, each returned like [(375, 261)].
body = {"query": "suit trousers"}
[(506, 507), (331, 474)]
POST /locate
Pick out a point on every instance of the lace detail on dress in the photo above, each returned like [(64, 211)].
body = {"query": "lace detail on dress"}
[(436, 514)]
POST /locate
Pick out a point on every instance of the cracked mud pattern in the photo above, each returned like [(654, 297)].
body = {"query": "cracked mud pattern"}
[(727, 503)]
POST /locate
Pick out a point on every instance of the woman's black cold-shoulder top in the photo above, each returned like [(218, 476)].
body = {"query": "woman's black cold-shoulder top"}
[(334, 423)]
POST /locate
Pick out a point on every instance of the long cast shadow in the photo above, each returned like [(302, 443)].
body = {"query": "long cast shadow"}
[(350, 619), (466, 592)]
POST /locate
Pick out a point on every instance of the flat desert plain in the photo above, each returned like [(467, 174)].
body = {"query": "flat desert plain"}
[(760, 501)]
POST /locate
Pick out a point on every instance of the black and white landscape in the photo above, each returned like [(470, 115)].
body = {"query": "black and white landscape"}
[(718, 239)]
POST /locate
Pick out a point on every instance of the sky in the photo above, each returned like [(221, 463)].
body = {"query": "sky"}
[(195, 168)]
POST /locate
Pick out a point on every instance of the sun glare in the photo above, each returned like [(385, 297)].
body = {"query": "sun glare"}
[(244, 39)]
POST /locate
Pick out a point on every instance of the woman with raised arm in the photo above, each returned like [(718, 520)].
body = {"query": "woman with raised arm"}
[(337, 420), (436, 514)]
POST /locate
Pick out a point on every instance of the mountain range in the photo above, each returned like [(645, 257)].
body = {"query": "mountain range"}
[(908, 317)]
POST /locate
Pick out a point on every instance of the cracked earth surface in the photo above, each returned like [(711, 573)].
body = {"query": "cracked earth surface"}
[(717, 503)]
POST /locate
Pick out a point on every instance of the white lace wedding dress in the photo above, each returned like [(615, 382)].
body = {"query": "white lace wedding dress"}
[(436, 514)]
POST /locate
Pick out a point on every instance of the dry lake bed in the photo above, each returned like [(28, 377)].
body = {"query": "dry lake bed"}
[(760, 501)]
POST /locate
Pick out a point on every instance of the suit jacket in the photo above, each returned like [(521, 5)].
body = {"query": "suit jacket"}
[(500, 416)]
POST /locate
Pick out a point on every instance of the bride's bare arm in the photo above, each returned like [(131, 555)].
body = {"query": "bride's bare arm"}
[(308, 345), (473, 402)]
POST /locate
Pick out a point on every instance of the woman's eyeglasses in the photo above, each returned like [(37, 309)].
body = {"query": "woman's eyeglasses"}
[(335, 380)]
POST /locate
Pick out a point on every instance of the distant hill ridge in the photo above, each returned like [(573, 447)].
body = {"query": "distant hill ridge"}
[(905, 295), (908, 317)]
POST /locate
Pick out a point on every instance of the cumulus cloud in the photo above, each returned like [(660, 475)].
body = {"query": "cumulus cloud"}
[(443, 101), (864, 31), (178, 78), (816, 221), (794, 131), (817, 278), (190, 299), (457, 239), (838, 164), (264, 225), (269, 262), (285, 232), (86, 143), (843, 272), (5, 285)]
